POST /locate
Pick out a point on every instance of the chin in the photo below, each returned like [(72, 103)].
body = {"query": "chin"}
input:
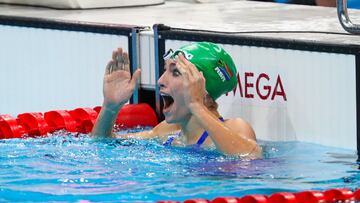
[(170, 120)]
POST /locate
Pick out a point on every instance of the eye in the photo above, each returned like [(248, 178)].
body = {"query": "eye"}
[(176, 73)]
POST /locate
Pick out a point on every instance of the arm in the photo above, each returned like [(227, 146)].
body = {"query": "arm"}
[(106, 120), (118, 86), (234, 137), (162, 130)]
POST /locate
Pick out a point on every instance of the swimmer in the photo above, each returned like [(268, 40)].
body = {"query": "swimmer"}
[(195, 76)]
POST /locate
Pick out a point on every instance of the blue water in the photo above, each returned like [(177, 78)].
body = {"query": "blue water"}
[(69, 168)]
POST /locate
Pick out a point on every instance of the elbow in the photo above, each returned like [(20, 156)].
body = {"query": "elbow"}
[(249, 151)]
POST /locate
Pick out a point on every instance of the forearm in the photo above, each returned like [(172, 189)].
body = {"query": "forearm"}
[(105, 121), (224, 138)]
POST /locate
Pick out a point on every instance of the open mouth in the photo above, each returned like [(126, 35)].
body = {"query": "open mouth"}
[(167, 99)]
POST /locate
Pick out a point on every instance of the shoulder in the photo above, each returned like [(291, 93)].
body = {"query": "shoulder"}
[(160, 131), (241, 126), (164, 128)]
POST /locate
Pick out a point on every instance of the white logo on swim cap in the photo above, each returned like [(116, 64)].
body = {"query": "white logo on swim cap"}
[(221, 75), (187, 55)]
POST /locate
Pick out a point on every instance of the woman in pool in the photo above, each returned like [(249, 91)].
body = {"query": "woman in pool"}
[(195, 76)]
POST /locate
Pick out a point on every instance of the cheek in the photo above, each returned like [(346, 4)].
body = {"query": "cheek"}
[(178, 81), (179, 96), (180, 105), (177, 87)]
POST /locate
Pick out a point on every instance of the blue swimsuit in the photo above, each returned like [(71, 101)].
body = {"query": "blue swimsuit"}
[(199, 142)]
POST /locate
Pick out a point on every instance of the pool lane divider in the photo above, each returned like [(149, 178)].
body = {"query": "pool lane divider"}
[(328, 196), (79, 120)]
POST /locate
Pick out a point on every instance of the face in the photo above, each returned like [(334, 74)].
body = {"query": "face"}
[(172, 92)]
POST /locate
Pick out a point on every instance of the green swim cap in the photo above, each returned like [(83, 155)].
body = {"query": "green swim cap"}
[(216, 65)]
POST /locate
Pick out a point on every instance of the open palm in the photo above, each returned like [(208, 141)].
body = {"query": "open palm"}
[(118, 84)]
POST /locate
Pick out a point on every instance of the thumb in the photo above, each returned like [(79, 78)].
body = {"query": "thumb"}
[(135, 77)]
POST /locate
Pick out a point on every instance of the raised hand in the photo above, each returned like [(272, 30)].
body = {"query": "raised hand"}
[(194, 81), (118, 84)]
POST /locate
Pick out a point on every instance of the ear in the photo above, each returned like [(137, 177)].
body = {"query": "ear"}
[(210, 103)]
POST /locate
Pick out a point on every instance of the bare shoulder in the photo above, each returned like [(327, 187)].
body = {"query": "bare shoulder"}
[(165, 128), (241, 126), (160, 131)]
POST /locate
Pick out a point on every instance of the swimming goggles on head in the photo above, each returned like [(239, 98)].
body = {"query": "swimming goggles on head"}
[(168, 54)]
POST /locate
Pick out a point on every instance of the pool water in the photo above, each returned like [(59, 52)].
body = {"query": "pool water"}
[(70, 168)]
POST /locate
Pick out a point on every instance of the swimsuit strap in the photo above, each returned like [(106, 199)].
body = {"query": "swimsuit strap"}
[(205, 135), (169, 141), (199, 142)]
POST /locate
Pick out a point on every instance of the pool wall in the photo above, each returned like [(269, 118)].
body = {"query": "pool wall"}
[(51, 65)]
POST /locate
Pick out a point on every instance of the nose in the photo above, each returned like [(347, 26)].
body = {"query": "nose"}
[(162, 81)]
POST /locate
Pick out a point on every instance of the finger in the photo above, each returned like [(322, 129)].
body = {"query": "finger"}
[(183, 71), (202, 80), (194, 71), (191, 70), (183, 59), (114, 53), (120, 58), (120, 51), (186, 71), (179, 64), (112, 67), (136, 77), (126, 62), (202, 75), (189, 65), (119, 61), (109, 67), (116, 65), (181, 67)]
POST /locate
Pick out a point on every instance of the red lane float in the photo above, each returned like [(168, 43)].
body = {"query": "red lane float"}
[(329, 196), (357, 195), (338, 195), (9, 128), (133, 115), (60, 119), (282, 197), (34, 123), (97, 109), (253, 199), (310, 197), (167, 202), (225, 200), (85, 119), (79, 120), (197, 201)]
